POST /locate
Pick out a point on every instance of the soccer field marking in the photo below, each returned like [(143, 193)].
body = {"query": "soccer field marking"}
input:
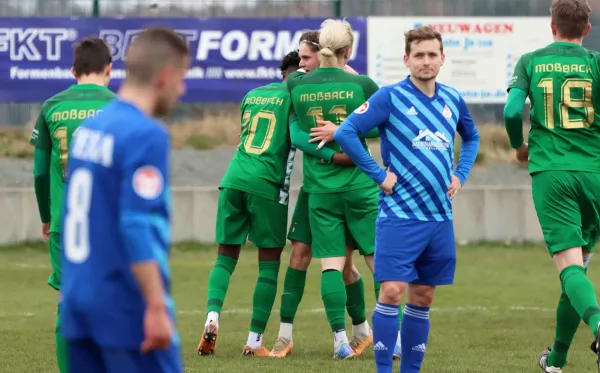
[(245, 311)]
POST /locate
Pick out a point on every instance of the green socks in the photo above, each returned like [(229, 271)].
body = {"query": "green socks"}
[(218, 282), (333, 293), (293, 290), (567, 322), (582, 295), (264, 295), (61, 346), (355, 303)]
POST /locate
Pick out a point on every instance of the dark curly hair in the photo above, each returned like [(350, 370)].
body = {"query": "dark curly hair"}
[(290, 59)]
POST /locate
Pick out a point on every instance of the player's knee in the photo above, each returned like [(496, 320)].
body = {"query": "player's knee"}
[(421, 295), (336, 264), (391, 292), (270, 255), (370, 260), (232, 251), (301, 256)]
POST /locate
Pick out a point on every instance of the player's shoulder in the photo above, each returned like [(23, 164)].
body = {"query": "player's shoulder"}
[(56, 99), (451, 91)]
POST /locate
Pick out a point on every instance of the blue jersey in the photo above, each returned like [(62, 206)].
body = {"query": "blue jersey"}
[(116, 214), (417, 144)]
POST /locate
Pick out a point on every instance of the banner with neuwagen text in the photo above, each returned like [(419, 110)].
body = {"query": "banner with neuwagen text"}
[(229, 56), (481, 52)]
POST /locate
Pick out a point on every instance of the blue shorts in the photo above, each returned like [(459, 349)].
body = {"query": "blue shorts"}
[(85, 356), (413, 251)]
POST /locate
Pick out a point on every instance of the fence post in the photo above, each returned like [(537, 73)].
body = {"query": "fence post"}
[(337, 8), (96, 8)]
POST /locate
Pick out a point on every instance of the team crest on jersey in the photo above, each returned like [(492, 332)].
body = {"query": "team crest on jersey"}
[(148, 182), (362, 108), (447, 112)]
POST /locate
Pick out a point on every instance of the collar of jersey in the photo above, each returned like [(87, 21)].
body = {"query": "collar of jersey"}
[(419, 92), (566, 44), (87, 86), (328, 69)]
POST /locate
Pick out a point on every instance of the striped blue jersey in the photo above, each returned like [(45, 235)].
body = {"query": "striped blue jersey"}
[(116, 214), (417, 144)]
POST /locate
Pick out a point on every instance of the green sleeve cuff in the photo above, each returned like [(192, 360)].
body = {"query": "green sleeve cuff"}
[(372, 134)]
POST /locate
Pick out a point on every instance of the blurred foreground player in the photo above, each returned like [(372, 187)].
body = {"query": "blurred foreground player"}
[(57, 122), (561, 81), (118, 314)]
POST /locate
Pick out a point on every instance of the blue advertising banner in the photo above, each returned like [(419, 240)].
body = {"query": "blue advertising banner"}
[(230, 56)]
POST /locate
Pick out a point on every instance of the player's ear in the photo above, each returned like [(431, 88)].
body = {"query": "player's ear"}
[(553, 28), (406, 60), (73, 72), (348, 54), (588, 28)]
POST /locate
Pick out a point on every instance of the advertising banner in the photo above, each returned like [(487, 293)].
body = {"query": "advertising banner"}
[(481, 52), (229, 56)]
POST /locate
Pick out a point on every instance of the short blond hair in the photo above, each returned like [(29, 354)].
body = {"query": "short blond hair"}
[(335, 38)]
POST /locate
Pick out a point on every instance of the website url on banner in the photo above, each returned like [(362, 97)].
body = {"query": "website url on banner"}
[(213, 72)]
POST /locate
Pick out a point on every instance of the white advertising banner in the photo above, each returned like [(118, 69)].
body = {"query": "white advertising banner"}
[(481, 52)]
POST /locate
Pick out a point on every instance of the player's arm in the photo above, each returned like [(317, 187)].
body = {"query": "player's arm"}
[(301, 140), (40, 138), (517, 95), (374, 112), (143, 202), (470, 142)]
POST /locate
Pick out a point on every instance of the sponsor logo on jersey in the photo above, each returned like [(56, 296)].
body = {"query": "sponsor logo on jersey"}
[(148, 182), (362, 108), (431, 141)]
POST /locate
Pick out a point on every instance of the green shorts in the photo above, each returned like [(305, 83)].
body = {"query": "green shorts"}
[(55, 257), (242, 215), (300, 227), (335, 215), (568, 208)]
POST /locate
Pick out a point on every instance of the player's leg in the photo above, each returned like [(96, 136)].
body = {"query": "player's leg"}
[(232, 227), (560, 199), (329, 244), (295, 276), (85, 357), (361, 337), (435, 267), (267, 231), (54, 281), (398, 245)]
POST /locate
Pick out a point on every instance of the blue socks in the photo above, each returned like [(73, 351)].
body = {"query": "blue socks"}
[(415, 332), (385, 333)]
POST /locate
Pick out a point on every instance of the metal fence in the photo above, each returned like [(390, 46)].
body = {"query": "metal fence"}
[(20, 114)]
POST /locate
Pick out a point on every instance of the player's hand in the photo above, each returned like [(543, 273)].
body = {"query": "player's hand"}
[(454, 187), (46, 231), (389, 183), (523, 153), (158, 330), (323, 133)]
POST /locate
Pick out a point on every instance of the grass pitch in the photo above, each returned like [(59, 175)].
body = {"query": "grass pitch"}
[(496, 318)]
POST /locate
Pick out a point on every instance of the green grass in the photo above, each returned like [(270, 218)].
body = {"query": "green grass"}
[(496, 318)]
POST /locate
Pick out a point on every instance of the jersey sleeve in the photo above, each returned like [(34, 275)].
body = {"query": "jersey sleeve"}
[(145, 196), (520, 78), (40, 136), (470, 142)]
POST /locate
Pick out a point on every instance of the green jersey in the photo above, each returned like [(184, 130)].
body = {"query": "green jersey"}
[(329, 94), (260, 164), (560, 81), (57, 122)]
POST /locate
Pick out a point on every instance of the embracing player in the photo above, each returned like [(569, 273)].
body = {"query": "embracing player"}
[(562, 81), (58, 120), (341, 199), (300, 234), (118, 314)]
